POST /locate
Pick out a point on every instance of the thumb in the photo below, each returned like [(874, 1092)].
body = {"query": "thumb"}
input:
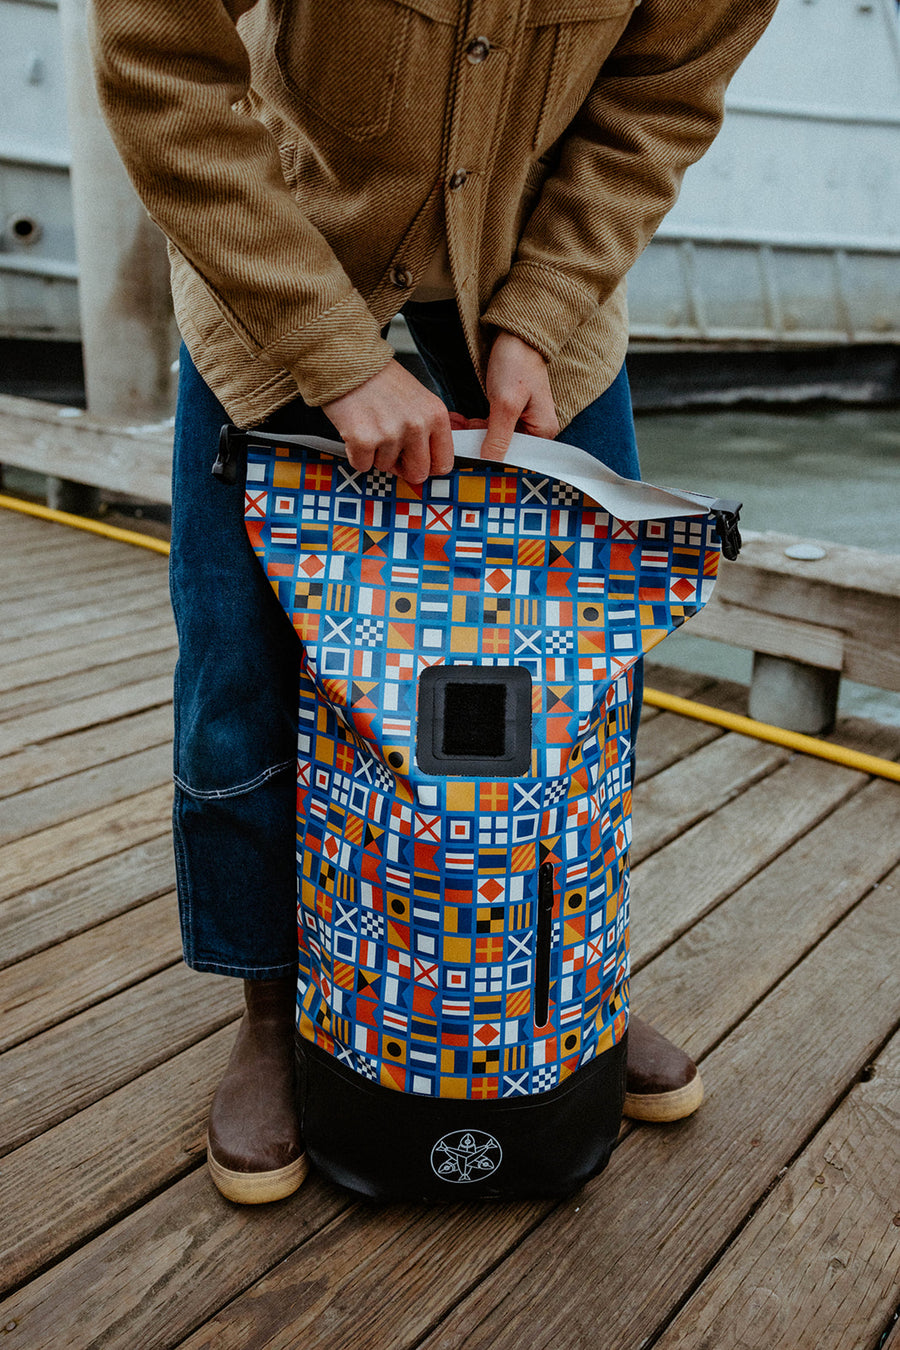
[(501, 424)]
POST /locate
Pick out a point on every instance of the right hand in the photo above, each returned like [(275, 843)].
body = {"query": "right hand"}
[(392, 422)]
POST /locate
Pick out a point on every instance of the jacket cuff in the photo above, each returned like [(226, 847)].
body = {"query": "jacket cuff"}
[(540, 305), (336, 352)]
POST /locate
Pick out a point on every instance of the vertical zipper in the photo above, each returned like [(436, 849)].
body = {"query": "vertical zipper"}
[(543, 945)]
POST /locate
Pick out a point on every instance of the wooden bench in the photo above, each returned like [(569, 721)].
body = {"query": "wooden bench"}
[(808, 622)]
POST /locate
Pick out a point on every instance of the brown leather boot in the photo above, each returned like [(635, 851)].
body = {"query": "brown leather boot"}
[(662, 1083), (254, 1150)]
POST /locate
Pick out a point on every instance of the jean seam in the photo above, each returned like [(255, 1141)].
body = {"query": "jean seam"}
[(209, 966), (239, 789)]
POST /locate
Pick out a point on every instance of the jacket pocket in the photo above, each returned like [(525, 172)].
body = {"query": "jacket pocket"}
[(343, 61), (571, 41)]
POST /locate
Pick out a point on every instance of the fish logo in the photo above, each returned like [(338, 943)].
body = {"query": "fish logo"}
[(466, 1155)]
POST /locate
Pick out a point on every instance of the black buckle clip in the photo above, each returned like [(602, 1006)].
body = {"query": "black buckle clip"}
[(727, 514), (232, 445)]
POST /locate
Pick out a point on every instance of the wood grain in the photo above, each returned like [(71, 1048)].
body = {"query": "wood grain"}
[(66, 978), (62, 849), (99, 679), (52, 803), (78, 751), (157, 1274), (79, 1061), (84, 712), (708, 978), (672, 801), (138, 642), (73, 1179), (58, 910), (126, 459), (817, 1266)]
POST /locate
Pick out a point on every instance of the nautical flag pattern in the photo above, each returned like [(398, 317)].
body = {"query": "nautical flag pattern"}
[(418, 893)]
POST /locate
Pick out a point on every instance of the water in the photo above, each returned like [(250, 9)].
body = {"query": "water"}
[(831, 476)]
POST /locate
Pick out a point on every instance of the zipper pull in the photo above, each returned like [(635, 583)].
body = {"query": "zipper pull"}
[(727, 514), (232, 444), (543, 945)]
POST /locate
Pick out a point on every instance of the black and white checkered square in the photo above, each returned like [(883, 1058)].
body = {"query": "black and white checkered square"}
[(371, 925), (367, 1067), (379, 483), (556, 791), (369, 632), (544, 1078), (564, 494), (559, 643)]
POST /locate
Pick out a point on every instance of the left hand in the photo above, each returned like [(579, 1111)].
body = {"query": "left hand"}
[(518, 390)]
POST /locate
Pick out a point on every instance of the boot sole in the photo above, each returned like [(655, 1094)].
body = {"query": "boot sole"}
[(661, 1107), (257, 1188)]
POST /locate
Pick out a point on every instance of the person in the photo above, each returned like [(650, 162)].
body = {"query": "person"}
[(492, 170)]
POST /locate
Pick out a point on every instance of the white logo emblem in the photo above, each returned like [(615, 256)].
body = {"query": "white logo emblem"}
[(466, 1155)]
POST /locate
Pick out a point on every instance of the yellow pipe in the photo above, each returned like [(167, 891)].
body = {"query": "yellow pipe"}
[(764, 731), (80, 523), (654, 698)]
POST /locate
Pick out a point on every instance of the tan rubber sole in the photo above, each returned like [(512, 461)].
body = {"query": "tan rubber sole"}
[(257, 1188), (661, 1107)]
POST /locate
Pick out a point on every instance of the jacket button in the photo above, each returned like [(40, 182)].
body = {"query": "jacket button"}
[(477, 50), (458, 179), (401, 277)]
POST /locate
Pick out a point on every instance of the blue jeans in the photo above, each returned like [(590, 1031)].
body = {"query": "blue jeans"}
[(236, 681)]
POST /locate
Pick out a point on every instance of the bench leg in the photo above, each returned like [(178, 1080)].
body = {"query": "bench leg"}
[(792, 695)]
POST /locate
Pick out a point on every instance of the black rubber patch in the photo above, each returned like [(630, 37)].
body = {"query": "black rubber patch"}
[(474, 721)]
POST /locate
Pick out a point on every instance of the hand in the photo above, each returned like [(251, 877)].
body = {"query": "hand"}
[(392, 422), (518, 390)]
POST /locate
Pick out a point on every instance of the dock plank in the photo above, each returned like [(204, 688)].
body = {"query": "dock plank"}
[(77, 751), (741, 950), (161, 1271), (79, 1061), (62, 1187), (84, 712), (132, 597), (82, 569), (699, 869), (100, 679), (48, 666), (816, 1267), (52, 803), (667, 738), (38, 918), (672, 801), (65, 979), (61, 849), (706, 863), (35, 645)]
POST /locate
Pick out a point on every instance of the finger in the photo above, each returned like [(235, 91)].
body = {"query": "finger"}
[(414, 463), (501, 425), (442, 448), (386, 456), (361, 457)]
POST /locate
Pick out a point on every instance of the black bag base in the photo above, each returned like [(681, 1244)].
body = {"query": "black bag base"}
[(390, 1146)]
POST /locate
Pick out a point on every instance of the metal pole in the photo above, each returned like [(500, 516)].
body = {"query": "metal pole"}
[(128, 332)]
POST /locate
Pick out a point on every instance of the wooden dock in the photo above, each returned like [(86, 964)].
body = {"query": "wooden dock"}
[(765, 937)]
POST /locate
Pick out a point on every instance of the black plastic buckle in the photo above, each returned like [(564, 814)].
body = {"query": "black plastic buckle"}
[(727, 514), (232, 446)]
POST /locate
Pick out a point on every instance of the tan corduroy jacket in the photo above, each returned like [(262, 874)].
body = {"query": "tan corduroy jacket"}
[(306, 157)]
